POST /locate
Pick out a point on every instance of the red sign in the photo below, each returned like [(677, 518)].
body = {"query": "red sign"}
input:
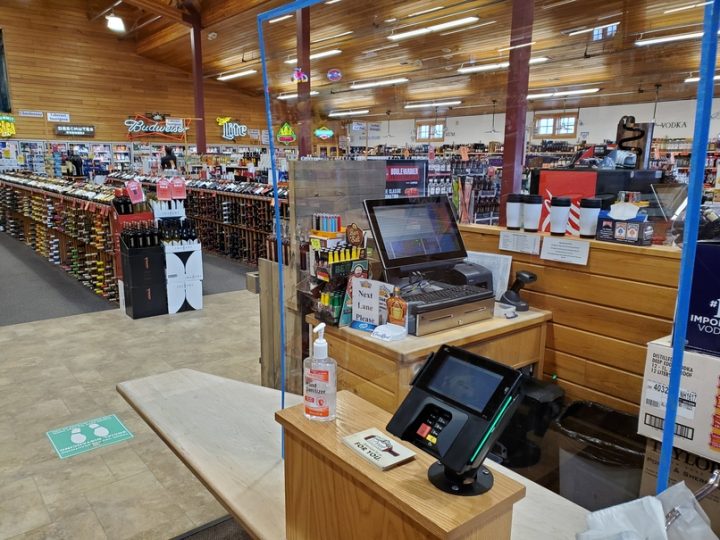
[(135, 191), (163, 190), (179, 191), (142, 127), (575, 185), (405, 178)]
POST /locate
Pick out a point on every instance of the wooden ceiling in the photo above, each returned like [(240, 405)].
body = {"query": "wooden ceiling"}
[(624, 72)]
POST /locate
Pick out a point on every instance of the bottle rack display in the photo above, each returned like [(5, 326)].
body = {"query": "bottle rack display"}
[(70, 232)]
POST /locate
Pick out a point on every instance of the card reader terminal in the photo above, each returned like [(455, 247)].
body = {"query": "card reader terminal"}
[(458, 406)]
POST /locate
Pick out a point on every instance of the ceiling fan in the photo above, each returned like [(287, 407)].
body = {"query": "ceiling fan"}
[(493, 130)]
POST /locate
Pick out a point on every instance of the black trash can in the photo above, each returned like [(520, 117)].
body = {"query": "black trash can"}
[(601, 455)]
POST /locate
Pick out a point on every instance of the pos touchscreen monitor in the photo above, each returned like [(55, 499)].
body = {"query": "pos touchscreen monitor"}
[(459, 405)]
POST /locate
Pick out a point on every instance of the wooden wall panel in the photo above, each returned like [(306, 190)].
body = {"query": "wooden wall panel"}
[(603, 314), (59, 62)]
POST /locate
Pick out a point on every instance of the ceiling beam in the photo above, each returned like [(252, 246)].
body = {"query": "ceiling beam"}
[(159, 8)]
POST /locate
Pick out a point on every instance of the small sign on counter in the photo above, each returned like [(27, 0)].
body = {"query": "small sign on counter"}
[(560, 249), (378, 448), (520, 242)]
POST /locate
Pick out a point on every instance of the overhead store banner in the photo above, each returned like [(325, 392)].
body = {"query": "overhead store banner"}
[(73, 130), (405, 178), (142, 127)]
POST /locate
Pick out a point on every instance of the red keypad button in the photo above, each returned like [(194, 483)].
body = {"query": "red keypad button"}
[(423, 430)]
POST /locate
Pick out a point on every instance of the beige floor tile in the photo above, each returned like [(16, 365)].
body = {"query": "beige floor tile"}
[(73, 475), (18, 488), (133, 505), (82, 526), (21, 514), (123, 462), (65, 507)]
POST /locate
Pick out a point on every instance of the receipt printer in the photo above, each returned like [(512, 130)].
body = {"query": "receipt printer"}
[(468, 274)]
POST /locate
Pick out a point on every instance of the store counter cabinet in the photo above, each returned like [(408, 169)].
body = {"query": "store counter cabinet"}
[(225, 432), (381, 371)]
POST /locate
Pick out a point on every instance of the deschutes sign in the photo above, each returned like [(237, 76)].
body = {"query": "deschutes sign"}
[(142, 127), (74, 130)]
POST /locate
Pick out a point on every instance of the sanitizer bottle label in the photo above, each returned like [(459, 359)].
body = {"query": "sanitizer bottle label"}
[(317, 390)]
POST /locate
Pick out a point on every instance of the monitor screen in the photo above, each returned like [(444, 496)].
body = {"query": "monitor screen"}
[(411, 231), (467, 384)]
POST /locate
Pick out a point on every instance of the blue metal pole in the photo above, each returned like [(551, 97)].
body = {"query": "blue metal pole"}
[(692, 219)]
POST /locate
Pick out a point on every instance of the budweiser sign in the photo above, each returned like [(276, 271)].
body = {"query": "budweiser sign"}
[(171, 128)]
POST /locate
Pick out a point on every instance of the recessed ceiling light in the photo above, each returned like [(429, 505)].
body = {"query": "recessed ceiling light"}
[(433, 104), (294, 95), (236, 75), (697, 79), (686, 6), (373, 84), (434, 28), (563, 93), (341, 34), (352, 112), (588, 30), (424, 11), (278, 19), (115, 23), (668, 39), (315, 56), (513, 47)]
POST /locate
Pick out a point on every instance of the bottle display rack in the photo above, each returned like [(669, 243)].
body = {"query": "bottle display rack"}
[(72, 233)]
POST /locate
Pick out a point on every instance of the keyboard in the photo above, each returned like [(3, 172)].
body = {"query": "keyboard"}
[(448, 296)]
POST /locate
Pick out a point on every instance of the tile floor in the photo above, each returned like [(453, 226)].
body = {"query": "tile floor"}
[(57, 372)]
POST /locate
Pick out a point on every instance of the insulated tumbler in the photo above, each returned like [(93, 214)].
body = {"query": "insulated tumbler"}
[(559, 214), (589, 212), (532, 209), (514, 211)]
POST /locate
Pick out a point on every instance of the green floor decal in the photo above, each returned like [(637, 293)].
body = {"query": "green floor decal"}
[(85, 436)]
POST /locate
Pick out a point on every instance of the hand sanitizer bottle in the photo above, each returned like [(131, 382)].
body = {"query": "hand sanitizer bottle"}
[(320, 380)]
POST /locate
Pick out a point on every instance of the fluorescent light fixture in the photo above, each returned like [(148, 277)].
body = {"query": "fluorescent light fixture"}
[(294, 95), (315, 56), (331, 2), (236, 75), (697, 79), (352, 112), (278, 19), (668, 39), (498, 66), (433, 104), (434, 28), (341, 34), (424, 11), (468, 28), (557, 4), (373, 84), (512, 47), (588, 30), (687, 6), (564, 93), (115, 23), (391, 20)]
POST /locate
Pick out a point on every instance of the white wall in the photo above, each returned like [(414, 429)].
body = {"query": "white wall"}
[(673, 119)]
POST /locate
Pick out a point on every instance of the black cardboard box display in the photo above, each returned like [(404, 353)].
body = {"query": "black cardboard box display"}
[(703, 330), (632, 231), (143, 266), (145, 300)]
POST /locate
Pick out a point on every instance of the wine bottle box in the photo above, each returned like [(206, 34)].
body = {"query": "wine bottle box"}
[(146, 300), (183, 263), (143, 266), (184, 296)]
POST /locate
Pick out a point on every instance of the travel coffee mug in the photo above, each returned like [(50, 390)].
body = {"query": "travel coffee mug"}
[(514, 211), (559, 214), (532, 209), (589, 212)]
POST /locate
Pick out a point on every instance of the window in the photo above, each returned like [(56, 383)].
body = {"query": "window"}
[(604, 33), (562, 125), (433, 131)]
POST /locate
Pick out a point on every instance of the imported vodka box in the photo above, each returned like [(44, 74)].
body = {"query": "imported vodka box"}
[(697, 426), (703, 330)]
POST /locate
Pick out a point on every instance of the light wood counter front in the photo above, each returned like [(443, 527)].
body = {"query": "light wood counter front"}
[(331, 492), (603, 313), (381, 371)]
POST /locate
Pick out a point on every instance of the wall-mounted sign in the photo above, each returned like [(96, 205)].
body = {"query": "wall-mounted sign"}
[(32, 114), (7, 125), (142, 127), (324, 133), (286, 135), (231, 130), (299, 76), (358, 126), (175, 123), (254, 134), (334, 75), (672, 125), (58, 117), (73, 130), (265, 137)]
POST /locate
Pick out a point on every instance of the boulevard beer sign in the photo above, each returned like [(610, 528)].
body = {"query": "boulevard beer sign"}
[(142, 127)]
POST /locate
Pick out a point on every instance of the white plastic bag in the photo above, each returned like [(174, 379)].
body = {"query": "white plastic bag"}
[(641, 519), (693, 523)]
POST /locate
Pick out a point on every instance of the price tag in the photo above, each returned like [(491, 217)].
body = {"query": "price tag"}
[(135, 191), (164, 190), (178, 189)]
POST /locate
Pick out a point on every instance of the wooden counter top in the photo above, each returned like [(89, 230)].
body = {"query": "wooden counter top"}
[(413, 347)]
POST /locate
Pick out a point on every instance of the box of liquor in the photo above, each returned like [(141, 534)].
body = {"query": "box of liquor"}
[(697, 427), (184, 296), (183, 263), (145, 300), (703, 330), (684, 467)]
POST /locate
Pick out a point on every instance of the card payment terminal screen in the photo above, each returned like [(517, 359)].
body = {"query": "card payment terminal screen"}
[(464, 383)]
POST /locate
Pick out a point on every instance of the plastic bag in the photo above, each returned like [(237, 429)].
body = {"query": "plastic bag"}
[(641, 519), (693, 523)]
